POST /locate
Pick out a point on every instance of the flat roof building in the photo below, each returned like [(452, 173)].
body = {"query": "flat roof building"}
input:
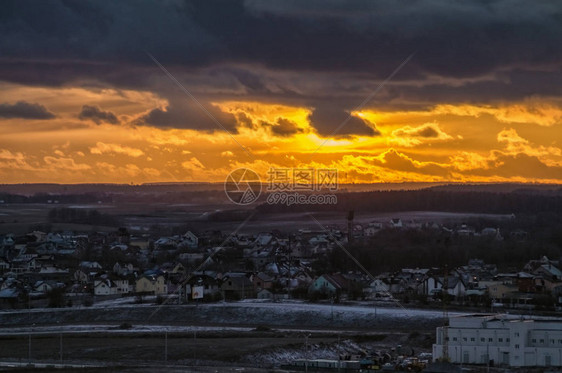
[(502, 340)]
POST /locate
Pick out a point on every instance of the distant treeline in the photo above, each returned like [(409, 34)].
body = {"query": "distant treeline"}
[(435, 200), (81, 216), (53, 198), (196, 197)]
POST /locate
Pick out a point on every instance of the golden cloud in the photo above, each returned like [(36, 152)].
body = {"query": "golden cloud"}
[(103, 148)]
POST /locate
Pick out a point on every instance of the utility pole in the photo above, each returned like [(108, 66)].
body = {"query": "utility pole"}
[(339, 354), (487, 357), (30, 326), (166, 345), (194, 346), (306, 352), (445, 293)]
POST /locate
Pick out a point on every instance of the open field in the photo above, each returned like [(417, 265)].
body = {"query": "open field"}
[(21, 218), (252, 348), (127, 348), (244, 333)]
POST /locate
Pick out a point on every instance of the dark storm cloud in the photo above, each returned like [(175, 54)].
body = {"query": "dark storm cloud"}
[(251, 81), (253, 43), (97, 115), (283, 127), (186, 114), (329, 121), (25, 110), (453, 38)]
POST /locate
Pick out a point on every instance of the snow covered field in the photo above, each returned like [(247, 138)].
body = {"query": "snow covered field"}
[(107, 315)]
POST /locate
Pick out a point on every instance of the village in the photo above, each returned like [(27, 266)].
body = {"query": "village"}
[(66, 269)]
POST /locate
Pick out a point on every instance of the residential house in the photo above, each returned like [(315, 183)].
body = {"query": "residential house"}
[(433, 285), (493, 233), (104, 287), (262, 281), (151, 284), (44, 287), (372, 229), (260, 256), (265, 294), (378, 286), (124, 269), (526, 282), (208, 284), (396, 223), (24, 263), (237, 287), (192, 257), (81, 276), (90, 265), (13, 297), (190, 240), (499, 289), (549, 271), (334, 284), (4, 265), (115, 286), (465, 231)]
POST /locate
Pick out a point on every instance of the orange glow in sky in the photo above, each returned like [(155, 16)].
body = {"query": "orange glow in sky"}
[(182, 91), (508, 142)]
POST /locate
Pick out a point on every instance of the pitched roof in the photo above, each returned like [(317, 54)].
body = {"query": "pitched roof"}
[(337, 280)]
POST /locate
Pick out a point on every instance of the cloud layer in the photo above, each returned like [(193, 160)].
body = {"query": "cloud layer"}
[(25, 110), (480, 100)]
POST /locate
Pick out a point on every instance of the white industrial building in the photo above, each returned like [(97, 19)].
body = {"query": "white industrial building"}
[(502, 340)]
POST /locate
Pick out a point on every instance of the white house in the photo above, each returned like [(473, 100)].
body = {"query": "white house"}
[(433, 285), (43, 287), (111, 287), (190, 240), (379, 285), (506, 340), (396, 223), (372, 229), (104, 287)]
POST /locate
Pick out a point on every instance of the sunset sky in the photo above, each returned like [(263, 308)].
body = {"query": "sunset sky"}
[(476, 94)]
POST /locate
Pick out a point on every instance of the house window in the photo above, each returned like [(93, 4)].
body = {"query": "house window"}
[(517, 334), (464, 339), (482, 339), (534, 340), (507, 339), (454, 338), (516, 346), (472, 339), (542, 340), (552, 341), (500, 339), (490, 339)]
